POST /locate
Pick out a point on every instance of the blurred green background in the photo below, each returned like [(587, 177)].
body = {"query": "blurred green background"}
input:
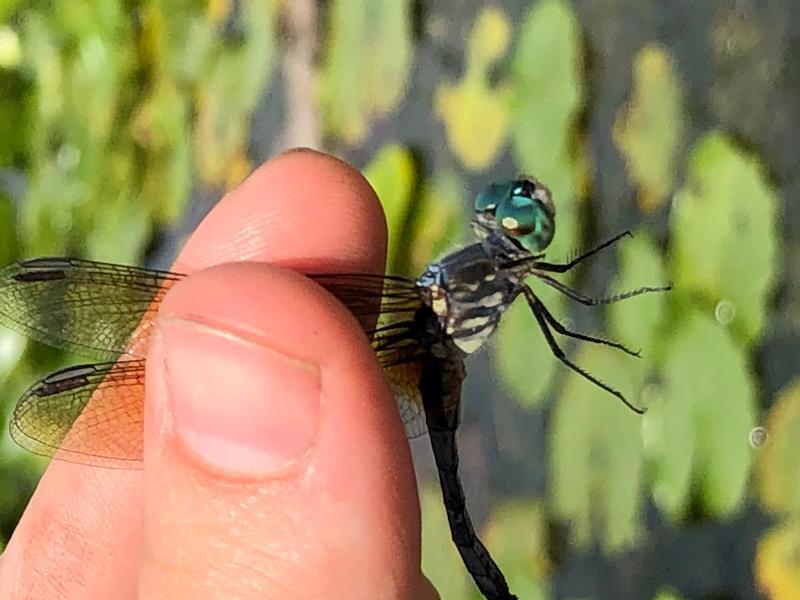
[(122, 122)]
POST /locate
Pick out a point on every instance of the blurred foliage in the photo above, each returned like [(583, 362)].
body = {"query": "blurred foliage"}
[(105, 161), (776, 563), (517, 532), (430, 215), (779, 462), (667, 595), (702, 419), (392, 175), (437, 223), (112, 112), (724, 234), (475, 112), (366, 64), (547, 95), (650, 131), (236, 68), (640, 261), (596, 456)]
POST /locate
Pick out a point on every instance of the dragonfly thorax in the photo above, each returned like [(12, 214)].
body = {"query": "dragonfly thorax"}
[(468, 291)]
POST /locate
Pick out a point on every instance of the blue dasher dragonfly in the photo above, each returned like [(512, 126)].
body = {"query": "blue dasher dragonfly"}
[(421, 331)]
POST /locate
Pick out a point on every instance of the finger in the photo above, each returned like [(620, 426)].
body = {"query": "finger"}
[(275, 463), (303, 210), (81, 533)]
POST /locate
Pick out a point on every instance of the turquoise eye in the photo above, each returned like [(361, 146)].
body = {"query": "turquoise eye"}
[(522, 209), (493, 195), (526, 220)]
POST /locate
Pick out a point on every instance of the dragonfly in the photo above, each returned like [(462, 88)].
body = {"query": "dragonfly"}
[(421, 331)]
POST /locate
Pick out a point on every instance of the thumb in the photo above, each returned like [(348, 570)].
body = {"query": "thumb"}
[(275, 464)]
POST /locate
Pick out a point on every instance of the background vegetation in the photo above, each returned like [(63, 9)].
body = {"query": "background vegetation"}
[(121, 122)]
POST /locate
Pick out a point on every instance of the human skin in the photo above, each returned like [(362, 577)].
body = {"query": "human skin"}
[(275, 464)]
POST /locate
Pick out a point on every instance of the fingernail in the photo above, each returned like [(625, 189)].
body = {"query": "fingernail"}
[(237, 404)]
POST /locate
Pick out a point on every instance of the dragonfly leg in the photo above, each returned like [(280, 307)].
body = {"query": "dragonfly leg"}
[(580, 336), (589, 301), (538, 311), (564, 267)]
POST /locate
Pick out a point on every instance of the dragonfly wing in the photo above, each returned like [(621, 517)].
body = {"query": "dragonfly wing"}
[(88, 414), (386, 306), (104, 310), (96, 309), (404, 383), (92, 414)]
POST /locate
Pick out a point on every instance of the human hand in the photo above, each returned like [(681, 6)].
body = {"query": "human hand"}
[(275, 464)]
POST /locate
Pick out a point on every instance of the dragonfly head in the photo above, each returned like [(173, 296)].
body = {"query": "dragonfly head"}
[(521, 209)]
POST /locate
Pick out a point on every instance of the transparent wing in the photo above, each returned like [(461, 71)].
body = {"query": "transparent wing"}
[(96, 309), (399, 351), (92, 414), (89, 414), (385, 306)]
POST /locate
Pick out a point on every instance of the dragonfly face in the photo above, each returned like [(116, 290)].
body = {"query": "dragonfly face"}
[(420, 330)]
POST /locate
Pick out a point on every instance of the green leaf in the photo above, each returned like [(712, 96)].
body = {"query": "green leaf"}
[(93, 91), (161, 127), (596, 454), (181, 39), (14, 116), (524, 362), (229, 92), (9, 244), (123, 235), (7, 7), (724, 233), (47, 216), (707, 413), (778, 463), (649, 132), (10, 47), (392, 175), (438, 220), (475, 114), (367, 61), (637, 322), (12, 346), (547, 93), (517, 536), (667, 594), (421, 225), (776, 563), (440, 560), (670, 447)]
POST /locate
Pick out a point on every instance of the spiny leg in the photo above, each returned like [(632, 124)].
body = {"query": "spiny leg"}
[(554, 323), (537, 309), (589, 301), (564, 267)]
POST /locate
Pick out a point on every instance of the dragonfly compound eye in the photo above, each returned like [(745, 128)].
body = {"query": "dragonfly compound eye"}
[(527, 215), (522, 209), (493, 195)]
